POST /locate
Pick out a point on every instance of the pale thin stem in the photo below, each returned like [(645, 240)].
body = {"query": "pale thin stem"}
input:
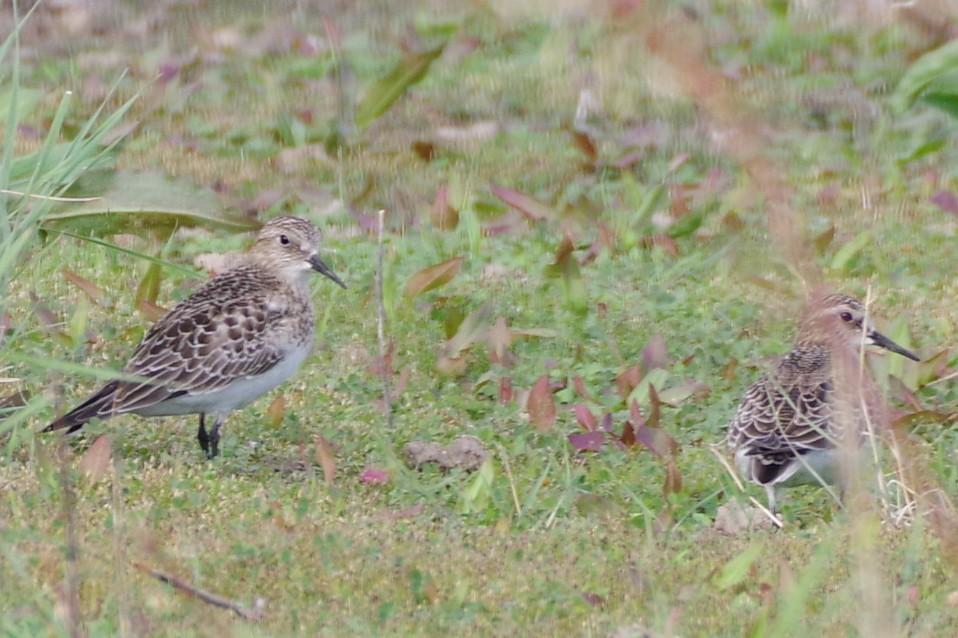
[(381, 325)]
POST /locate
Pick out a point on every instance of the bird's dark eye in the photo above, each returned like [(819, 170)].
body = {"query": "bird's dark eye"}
[(284, 240), (846, 316)]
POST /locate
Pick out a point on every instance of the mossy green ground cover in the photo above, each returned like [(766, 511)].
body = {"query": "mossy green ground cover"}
[(670, 246)]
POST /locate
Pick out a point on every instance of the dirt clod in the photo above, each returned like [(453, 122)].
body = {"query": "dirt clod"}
[(466, 453)]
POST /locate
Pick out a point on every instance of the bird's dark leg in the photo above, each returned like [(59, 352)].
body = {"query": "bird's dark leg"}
[(204, 439), (215, 437)]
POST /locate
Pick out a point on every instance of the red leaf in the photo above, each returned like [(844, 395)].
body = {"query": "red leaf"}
[(587, 441), (541, 404), (945, 200), (592, 599), (506, 393), (531, 208), (374, 476), (607, 422), (584, 417), (581, 390)]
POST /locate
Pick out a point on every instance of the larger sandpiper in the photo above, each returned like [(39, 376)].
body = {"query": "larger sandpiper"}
[(240, 335), (787, 429)]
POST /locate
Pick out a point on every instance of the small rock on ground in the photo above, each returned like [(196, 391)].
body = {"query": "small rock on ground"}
[(734, 519), (465, 453)]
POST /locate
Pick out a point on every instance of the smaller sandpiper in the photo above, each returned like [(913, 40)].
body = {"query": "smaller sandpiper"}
[(238, 336), (786, 431)]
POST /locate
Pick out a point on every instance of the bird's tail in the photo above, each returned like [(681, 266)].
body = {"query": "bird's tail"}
[(100, 405)]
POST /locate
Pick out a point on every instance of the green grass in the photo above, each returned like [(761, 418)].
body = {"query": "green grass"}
[(557, 543)]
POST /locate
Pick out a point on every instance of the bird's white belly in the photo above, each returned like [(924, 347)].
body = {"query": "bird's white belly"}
[(237, 394), (812, 468)]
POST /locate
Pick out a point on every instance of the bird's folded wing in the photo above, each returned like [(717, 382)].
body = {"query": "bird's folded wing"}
[(772, 419), (201, 347)]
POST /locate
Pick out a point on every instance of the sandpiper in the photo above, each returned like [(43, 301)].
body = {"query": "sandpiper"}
[(787, 430), (238, 336)]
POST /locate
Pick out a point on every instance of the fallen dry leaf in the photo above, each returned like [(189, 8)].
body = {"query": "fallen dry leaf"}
[(326, 457), (433, 277), (541, 404), (276, 411), (96, 461)]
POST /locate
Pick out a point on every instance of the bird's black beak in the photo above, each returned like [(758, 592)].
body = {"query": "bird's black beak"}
[(319, 266), (878, 339)]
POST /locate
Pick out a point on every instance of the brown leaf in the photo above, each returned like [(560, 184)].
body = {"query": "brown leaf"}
[(628, 435), (655, 354), (443, 215), (541, 404), (424, 150), (822, 241), (627, 381), (664, 242), (17, 399), (96, 461), (499, 339), (531, 208), (47, 316), (326, 457), (583, 142), (673, 478), (934, 367), (433, 277), (276, 411), (655, 415), (94, 292), (150, 311), (564, 251), (728, 371)]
